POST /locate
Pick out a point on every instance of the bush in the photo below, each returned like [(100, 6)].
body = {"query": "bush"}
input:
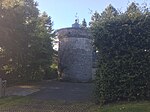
[(51, 74), (123, 44)]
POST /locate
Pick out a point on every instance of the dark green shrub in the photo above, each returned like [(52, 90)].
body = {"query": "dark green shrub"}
[(50, 74), (123, 44)]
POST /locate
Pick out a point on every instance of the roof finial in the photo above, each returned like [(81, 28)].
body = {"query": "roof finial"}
[(76, 24), (77, 17)]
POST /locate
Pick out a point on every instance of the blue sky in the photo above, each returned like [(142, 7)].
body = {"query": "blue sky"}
[(63, 11)]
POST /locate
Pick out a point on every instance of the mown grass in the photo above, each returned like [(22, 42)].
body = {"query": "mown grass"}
[(126, 107), (22, 102), (14, 100), (28, 104)]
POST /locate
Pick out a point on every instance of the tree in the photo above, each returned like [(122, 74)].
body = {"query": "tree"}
[(41, 45), (133, 11), (84, 24), (123, 48), (110, 12), (95, 17), (26, 41)]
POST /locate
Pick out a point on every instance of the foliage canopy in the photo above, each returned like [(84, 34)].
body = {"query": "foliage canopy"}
[(25, 41), (122, 41)]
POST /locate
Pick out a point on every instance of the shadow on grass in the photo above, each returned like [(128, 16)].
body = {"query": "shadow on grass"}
[(28, 104)]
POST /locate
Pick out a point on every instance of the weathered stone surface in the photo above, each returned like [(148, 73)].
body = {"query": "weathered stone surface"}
[(73, 33), (75, 54)]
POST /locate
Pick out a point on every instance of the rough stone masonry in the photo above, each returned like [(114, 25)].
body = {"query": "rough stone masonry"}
[(75, 54)]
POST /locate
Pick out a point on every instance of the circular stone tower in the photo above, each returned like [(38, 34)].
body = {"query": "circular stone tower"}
[(75, 54)]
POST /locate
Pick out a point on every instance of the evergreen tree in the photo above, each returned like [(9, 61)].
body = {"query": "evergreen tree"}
[(133, 11), (95, 17), (84, 24), (109, 12), (25, 40)]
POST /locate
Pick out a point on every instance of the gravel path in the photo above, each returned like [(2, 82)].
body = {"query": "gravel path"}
[(64, 97), (65, 91), (55, 90)]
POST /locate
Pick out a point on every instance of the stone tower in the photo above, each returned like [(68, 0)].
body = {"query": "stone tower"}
[(75, 54)]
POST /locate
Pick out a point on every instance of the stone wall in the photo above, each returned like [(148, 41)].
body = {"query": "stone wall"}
[(75, 54)]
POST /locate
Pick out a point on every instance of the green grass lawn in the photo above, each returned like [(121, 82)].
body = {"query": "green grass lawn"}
[(24, 100), (21, 103), (126, 107), (13, 101), (28, 104)]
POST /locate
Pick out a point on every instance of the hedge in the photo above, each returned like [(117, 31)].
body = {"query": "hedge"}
[(123, 45)]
